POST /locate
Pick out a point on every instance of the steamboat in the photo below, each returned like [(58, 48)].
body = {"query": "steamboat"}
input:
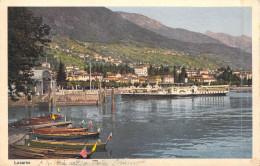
[(182, 91)]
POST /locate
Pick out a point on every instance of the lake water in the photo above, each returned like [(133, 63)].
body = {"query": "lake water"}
[(192, 127)]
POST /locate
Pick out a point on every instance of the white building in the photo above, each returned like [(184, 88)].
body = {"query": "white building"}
[(46, 65), (141, 70), (44, 81), (167, 79)]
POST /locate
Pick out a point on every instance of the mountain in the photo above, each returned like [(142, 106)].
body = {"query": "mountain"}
[(172, 33), (99, 24), (243, 42)]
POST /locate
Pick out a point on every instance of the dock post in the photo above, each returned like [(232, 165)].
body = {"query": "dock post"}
[(105, 95), (112, 101), (26, 100), (33, 101), (54, 98), (100, 94), (99, 97)]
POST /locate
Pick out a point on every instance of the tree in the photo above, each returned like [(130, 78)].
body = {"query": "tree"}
[(27, 37), (182, 75), (144, 84), (136, 84), (249, 81), (61, 76), (245, 81), (175, 74), (228, 78), (228, 68), (151, 71)]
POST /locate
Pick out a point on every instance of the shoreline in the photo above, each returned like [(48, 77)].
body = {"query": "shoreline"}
[(80, 99), (241, 88)]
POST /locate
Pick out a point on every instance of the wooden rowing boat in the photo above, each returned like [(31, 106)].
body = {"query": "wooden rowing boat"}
[(18, 154), (40, 152), (43, 119), (65, 136), (47, 125), (60, 130), (64, 145), (33, 121), (21, 154)]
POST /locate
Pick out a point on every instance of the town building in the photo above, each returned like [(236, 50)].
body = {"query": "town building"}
[(82, 55), (197, 78), (113, 75), (81, 77), (46, 65), (203, 72), (167, 79), (111, 80), (124, 80), (205, 78), (191, 73), (141, 71), (44, 81), (105, 59), (97, 77), (142, 80), (69, 68), (209, 80)]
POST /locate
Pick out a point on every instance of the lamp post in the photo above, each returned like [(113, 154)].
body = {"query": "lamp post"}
[(89, 71), (90, 74)]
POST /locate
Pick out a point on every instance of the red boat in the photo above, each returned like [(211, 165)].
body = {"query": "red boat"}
[(60, 130), (43, 119), (33, 121)]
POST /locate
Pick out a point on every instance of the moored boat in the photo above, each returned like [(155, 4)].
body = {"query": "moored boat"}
[(64, 144), (159, 92), (48, 125), (34, 121), (43, 119), (41, 152), (65, 136), (21, 154), (59, 130)]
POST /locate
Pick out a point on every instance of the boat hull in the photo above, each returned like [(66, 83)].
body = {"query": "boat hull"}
[(39, 152), (64, 145), (34, 121), (60, 130), (43, 119), (71, 136), (143, 95)]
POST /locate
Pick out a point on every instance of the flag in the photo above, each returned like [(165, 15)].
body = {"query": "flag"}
[(94, 148), (99, 127), (53, 116), (90, 123), (84, 152), (58, 110), (109, 137), (82, 121)]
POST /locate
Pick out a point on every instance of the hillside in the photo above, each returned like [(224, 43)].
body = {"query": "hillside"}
[(100, 25), (242, 42), (130, 52), (171, 33)]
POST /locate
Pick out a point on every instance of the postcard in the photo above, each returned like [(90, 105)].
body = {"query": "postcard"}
[(130, 83)]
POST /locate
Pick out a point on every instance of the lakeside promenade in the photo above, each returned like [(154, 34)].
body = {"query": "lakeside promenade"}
[(76, 97)]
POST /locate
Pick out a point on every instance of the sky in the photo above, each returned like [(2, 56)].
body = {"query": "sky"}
[(235, 21)]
